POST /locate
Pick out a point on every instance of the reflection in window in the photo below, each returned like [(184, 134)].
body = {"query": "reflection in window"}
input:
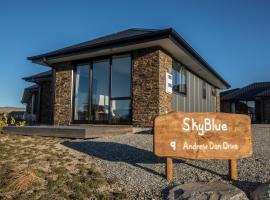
[(121, 76), (100, 90), (120, 111), (246, 107), (180, 80), (82, 93)]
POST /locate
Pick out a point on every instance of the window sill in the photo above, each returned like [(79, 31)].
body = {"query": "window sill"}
[(180, 93)]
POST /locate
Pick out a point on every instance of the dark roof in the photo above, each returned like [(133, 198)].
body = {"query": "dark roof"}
[(126, 37), (228, 91), (39, 77), (27, 93), (265, 93), (104, 40), (32, 87), (246, 93)]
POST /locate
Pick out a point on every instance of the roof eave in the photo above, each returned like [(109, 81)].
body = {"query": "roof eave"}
[(165, 33)]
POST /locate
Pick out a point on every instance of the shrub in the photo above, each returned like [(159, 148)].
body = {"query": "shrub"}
[(4, 121)]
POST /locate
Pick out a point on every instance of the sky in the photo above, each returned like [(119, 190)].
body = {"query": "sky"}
[(233, 36)]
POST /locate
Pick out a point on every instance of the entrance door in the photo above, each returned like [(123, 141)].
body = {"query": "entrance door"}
[(100, 91)]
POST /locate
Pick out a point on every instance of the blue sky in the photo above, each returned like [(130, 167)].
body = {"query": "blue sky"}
[(233, 36)]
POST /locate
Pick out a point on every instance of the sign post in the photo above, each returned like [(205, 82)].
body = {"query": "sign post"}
[(202, 136)]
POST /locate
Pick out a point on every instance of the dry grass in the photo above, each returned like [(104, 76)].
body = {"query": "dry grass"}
[(42, 168), (18, 181)]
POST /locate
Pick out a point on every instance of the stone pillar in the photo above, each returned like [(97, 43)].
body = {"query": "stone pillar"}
[(217, 100), (149, 97), (63, 95), (165, 99)]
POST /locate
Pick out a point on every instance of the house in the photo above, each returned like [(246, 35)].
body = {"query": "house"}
[(39, 98), (128, 77), (253, 100)]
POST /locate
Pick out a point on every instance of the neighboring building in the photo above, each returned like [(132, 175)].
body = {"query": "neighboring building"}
[(253, 100), (13, 112), (125, 78), (39, 98)]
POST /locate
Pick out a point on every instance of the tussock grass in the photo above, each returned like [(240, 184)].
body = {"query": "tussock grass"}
[(41, 168)]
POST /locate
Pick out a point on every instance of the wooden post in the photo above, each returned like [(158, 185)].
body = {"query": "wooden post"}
[(233, 169), (169, 169)]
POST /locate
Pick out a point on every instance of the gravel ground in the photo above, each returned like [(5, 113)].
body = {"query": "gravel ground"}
[(129, 160)]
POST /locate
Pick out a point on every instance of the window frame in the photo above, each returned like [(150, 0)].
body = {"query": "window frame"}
[(182, 72), (204, 90), (90, 63)]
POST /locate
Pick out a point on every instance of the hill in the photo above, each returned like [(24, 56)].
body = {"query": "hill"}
[(10, 109)]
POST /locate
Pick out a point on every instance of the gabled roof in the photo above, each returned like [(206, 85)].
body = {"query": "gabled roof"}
[(114, 37), (247, 93), (47, 75), (229, 91), (265, 93), (27, 93), (132, 39)]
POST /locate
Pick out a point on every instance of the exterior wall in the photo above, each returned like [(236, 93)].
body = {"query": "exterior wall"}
[(218, 103), (266, 111), (149, 97), (63, 94), (165, 99), (148, 81), (225, 106), (193, 101), (46, 103)]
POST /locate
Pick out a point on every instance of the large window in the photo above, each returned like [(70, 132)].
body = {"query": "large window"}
[(180, 80), (121, 76), (102, 91), (81, 112), (121, 89)]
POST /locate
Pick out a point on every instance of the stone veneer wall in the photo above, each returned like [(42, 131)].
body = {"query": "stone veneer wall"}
[(63, 95), (217, 100), (148, 79), (165, 99)]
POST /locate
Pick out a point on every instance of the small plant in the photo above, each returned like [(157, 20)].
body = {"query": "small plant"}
[(12, 121), (21, 123), (3, 120)]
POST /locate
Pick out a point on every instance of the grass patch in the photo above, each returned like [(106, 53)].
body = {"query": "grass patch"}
[(41, 168)]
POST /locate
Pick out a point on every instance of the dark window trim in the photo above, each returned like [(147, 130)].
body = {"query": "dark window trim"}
[(186, 67), (180, 69), (204, 90), (90, 62)]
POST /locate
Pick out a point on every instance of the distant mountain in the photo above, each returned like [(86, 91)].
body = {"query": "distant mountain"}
[(10, 109)]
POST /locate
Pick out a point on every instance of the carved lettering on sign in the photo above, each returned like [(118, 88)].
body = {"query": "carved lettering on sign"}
[(203, 135)]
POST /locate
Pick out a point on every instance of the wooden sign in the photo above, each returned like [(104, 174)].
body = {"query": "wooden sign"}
[(205, 135)]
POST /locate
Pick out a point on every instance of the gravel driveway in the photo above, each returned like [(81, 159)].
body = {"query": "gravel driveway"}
[(129, 160)]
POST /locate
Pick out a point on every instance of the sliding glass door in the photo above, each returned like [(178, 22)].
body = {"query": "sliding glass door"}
[(121, 89), (102, 91), (81, 109)]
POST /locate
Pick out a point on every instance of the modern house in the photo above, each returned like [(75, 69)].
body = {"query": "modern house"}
[(128, 77), (39, 98), (253, 100)]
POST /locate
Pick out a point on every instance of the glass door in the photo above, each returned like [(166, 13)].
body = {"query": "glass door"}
[(120, 112), (100, 91), (81, 95)]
